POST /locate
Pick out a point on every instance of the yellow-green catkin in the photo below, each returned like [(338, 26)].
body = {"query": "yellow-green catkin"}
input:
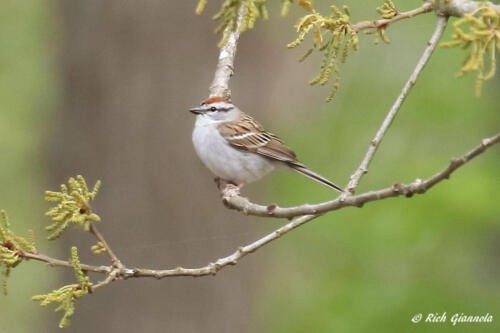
[(200, 6), (67, 295), (478, 32), (336, 49), (12, 249), (72, 206), (387, 10), (285, 7)]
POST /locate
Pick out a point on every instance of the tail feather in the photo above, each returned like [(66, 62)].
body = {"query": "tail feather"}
[(302, 169)]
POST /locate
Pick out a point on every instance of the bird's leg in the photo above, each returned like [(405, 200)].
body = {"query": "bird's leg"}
[(227, 185)]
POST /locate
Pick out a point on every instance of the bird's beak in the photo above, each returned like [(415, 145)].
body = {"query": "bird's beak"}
[(197, 110)]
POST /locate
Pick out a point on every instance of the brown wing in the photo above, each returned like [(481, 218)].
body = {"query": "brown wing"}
[(248, 135)]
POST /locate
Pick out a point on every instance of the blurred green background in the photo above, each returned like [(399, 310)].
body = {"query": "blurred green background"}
[(28, 94), (354, 270)]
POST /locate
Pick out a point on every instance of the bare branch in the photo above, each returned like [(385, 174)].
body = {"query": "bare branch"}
[(112, 276), (363, 168), (232, 259), (225, 68)]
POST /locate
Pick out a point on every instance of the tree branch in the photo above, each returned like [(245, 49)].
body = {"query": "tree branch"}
[(232, 199), (114, 259), (460, 7), (455, 8), (232, 259), (300, 214), (382, 23), (225, 67), (62, 263), (363, 167)]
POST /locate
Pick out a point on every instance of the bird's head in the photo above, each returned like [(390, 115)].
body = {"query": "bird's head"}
[(217, 109)]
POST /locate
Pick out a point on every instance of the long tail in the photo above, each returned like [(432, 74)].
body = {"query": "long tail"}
[(302, 169)]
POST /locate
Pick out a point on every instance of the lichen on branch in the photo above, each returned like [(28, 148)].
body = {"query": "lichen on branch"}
[(73, 206), (478, 32)]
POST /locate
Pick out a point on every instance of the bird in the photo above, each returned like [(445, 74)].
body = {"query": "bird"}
[(237, 149)]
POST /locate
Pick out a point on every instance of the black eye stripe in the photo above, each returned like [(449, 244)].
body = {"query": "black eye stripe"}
[(213, 109)]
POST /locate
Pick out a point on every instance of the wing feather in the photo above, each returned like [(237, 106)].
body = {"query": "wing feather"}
[(248, 135)]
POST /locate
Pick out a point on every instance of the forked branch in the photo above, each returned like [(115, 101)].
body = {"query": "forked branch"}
[(375, 143), (233, 200)]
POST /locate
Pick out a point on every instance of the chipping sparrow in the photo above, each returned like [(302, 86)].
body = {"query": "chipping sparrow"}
[(237, 149)]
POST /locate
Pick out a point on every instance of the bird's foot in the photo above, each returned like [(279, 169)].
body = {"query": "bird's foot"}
[(234, 188), (228, 186)]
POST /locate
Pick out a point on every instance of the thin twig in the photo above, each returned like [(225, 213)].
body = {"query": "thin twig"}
[(382, 23), (363, 168), (112, 276), (63, 263), (232, 259), (114, 259)]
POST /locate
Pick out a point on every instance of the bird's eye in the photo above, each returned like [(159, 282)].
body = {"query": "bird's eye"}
[(213, 108)]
